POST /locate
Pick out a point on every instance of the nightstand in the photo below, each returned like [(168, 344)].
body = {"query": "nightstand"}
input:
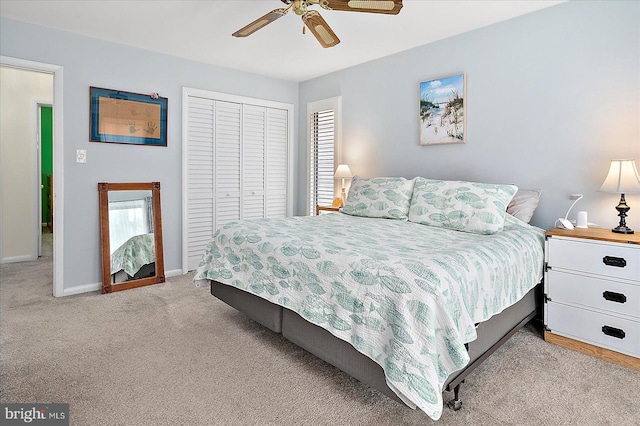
[(326, 208), (592, 293)]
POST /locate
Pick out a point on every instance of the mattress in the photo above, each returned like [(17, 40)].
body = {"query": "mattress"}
[(407, 296)]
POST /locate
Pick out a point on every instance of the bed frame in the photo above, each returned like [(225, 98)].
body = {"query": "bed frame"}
[(491, 335), (148, 270)]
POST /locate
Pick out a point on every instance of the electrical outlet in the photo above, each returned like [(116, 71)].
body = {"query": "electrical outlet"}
[(81, 156)]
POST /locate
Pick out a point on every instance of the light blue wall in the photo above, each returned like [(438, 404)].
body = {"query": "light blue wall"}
[(552, 97), (91, 62)]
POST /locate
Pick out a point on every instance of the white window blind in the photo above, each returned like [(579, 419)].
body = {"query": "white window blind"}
[(322, 158)]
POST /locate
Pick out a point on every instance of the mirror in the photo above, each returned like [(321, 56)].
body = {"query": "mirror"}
[(130, 235)]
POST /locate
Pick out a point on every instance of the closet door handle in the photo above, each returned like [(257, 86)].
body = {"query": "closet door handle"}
[(614, 297), (620, 262), (613, 332)]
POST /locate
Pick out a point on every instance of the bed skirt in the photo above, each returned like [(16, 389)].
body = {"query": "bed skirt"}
[(318, 341)]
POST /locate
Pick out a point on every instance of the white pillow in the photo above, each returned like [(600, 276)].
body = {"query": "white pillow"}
[(473, 207), (524, 204), (381, 197)]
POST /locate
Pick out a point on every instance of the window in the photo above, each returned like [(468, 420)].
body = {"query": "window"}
[(324, 151), (127, 218)]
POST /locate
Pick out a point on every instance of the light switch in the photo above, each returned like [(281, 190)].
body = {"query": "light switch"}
[(81, 156)]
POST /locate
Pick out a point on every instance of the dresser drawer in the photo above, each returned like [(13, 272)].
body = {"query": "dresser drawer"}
[(602, 330), (595, 257), (590, 291)]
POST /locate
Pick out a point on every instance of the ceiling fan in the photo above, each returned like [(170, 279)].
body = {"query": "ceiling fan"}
[(312, 19)]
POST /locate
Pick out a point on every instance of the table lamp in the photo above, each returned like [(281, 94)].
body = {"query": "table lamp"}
[(343, 172), (622, 179)]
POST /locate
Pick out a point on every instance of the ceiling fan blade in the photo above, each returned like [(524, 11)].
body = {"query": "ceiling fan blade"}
[(261, 22), (319, 27), (390, 7)]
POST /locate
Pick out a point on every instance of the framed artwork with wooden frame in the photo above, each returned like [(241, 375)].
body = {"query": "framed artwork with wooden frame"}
[(130, 235), (127, 118), (443, 114)]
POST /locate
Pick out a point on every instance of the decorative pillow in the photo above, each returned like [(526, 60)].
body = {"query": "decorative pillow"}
[(478, 208), (383, 197), (524, 204)]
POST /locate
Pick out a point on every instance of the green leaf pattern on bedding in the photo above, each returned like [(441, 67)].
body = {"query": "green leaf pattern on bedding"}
[(381, 197), (464, 206), (134, 254), (405, 295)]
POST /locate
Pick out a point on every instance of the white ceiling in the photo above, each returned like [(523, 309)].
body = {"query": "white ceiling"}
[(201, 30)]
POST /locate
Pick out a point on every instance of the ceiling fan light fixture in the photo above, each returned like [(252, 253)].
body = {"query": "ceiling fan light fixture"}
[(299, 7)]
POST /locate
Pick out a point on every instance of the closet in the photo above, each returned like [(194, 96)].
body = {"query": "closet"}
[(236, 164)]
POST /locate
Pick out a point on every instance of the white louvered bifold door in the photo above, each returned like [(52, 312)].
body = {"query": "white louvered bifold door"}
[(276, 163), (228, 132), (253, 147), (200, 226), (236, 162)]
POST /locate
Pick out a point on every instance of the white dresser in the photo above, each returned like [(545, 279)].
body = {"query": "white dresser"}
[(592, 293)]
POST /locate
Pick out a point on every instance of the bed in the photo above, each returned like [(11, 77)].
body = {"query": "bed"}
[(407, 308), (134, 259)]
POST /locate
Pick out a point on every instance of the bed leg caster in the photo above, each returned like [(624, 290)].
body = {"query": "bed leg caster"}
[(455, 404)]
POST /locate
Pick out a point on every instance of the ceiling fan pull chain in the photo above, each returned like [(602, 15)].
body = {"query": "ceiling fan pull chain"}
[(304, 29)]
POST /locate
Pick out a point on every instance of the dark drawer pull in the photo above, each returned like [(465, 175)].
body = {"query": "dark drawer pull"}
[(613, 332), (614, 261), (614, 297)]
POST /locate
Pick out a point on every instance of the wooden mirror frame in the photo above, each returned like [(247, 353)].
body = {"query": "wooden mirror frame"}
[(103, 192)]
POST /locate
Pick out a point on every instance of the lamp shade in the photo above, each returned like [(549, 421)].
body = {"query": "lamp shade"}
[(623, 178), (343, 172)]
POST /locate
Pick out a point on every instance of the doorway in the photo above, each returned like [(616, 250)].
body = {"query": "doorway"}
[(45, 139), (34, 85)]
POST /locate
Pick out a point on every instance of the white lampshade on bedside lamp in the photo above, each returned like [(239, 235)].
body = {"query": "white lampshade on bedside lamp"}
[(622, 179), (343, 172)]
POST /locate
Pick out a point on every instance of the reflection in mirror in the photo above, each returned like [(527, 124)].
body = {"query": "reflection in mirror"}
[(133, 249), (131, 234)]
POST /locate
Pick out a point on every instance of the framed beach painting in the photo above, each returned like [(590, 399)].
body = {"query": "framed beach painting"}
[(129, 118), (442, 110)]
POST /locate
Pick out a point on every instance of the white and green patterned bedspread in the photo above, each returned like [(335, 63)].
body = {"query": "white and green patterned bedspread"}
[(134, 254), (405, 295)]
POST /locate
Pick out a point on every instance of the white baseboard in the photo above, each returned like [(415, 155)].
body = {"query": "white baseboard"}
[(14, 259), (173, 273), (85, 288)]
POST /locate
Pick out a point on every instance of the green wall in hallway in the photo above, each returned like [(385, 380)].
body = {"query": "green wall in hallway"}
[(46, 158)]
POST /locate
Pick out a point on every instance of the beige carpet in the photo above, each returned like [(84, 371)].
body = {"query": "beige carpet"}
[(172, 354)]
